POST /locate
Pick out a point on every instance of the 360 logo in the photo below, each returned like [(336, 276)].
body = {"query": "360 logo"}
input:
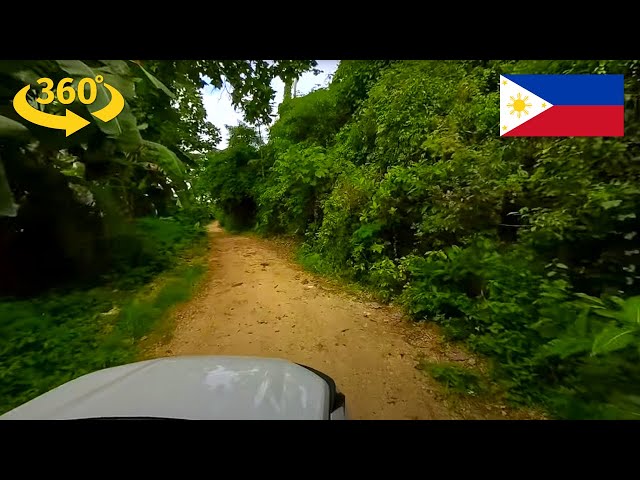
[(86, 93)]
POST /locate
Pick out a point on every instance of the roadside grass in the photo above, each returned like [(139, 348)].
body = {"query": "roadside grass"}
[(313, 262), (53, 338), (466, 387), (145, 315), (147, 318), (473, 393), (456, 378)]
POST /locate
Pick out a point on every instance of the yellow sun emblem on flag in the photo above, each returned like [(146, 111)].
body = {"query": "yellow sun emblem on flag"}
[(519, 105)]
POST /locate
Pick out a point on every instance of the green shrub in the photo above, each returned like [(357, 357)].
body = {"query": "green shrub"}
[(289, 201), (525, 248), (314, 118), (140, 315), (50, 339), (456, 378)]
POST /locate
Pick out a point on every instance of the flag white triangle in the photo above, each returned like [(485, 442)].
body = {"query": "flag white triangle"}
[(518, 105)]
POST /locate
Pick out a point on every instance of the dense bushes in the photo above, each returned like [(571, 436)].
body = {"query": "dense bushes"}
[(88, 220), (67, 201), (64, 333), (150, 245), (225, 179), (526, 248), (314, 118)]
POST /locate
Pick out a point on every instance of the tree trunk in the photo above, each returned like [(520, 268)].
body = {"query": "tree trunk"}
[(287, 89)]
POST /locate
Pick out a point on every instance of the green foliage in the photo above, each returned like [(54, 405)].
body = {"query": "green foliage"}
[(87, 221), (140, 316), (289, 198), (596, 340), (51, 340), (117, 73), (314, 118), (62, 198), (70, 191), (151, 245), (525, 248), (394, 176), (182, 122), (225, 179), (456, 378), (58, 336), (354, 79)]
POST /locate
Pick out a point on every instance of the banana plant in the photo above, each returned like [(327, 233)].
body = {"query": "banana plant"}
[(100, 146)]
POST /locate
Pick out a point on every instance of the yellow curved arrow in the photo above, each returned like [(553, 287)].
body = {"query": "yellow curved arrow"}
[(113, 109), (70, 123)]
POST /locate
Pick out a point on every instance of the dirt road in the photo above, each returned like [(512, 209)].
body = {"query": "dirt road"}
[(256, 301)]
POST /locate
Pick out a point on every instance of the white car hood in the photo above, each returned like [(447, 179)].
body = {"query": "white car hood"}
[(189, 387)]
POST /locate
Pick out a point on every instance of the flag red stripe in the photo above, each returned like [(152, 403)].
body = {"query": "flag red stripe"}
[(571, 121)]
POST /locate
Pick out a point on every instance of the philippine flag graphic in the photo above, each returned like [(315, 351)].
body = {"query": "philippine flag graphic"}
[(561, 105)]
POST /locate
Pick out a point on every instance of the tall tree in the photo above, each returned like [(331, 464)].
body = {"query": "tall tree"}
[(66, 191)]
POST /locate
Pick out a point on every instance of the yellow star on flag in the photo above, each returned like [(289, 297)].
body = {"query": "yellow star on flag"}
[(544, 105)]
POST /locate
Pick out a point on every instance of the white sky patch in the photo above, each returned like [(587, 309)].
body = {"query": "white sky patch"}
[(518, 105), (220, 111)]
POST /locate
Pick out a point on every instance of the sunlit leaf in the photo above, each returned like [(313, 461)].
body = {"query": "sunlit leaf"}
[(156, 83), (611, 204), (611, 339), (164, 158)]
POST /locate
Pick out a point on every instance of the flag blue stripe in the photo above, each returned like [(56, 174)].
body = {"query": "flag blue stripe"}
[(574, 89)]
